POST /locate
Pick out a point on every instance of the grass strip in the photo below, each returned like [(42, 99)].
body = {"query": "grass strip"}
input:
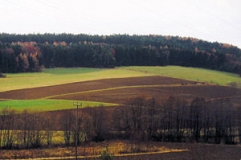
[(47, 104)]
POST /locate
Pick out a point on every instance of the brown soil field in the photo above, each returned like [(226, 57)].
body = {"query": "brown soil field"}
[(42, 92), (160, 93), (120, 89)]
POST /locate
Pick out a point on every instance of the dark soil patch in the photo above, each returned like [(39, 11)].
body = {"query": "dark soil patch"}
[(209, 92), (41, 92)]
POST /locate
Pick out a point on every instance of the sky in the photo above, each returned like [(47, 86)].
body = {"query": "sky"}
[(211, 20)]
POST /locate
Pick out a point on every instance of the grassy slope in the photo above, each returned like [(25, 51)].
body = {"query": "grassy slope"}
[(188, 73), (61, 76)]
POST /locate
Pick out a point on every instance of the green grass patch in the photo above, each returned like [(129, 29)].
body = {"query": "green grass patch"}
[(189, 73), (47, 105), (66, 71)]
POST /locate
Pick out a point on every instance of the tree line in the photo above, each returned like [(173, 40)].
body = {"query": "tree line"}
[(31, 53), (176, 120), (31, 129), (140, 119)]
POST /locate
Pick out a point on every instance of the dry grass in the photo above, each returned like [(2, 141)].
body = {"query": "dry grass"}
[(92, 150), (124, 150)]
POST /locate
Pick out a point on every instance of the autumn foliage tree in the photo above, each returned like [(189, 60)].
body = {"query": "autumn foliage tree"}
[(20, 57)]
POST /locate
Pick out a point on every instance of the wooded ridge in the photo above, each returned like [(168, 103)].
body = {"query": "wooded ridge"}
[(32, 52)]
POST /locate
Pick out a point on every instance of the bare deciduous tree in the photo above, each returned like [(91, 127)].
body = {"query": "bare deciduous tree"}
[(67, 121)]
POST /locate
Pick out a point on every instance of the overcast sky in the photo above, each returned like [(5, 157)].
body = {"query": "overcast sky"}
[(211, 20)]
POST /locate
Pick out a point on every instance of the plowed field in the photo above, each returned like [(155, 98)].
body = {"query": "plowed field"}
[(118, 90), (120, 95)]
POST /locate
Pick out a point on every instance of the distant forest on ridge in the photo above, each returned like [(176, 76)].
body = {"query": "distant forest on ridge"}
[(32, 52)]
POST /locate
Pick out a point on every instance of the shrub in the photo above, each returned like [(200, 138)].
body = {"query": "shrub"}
[(105, 155), (2, 75)]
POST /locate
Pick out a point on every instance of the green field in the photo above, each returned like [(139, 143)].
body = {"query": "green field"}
[(47, 105)]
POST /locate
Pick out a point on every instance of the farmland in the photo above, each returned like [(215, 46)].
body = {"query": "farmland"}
[(114, 85), (60, 76), (55, 90)]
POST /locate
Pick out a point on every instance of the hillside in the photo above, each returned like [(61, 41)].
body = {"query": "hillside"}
[(114, 86), (58, 76), (33, 52), (137, 104), (164, 108)]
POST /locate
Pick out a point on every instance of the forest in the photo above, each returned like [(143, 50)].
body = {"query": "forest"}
[(33, 52)]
